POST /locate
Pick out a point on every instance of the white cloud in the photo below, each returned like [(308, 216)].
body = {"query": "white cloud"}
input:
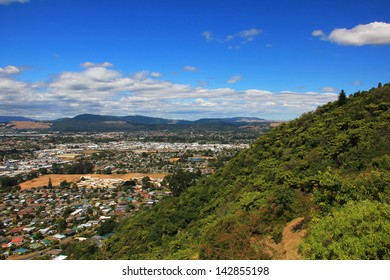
[(234, 79), (249, 35), (237, 47), (9, 70), (319, 33), (208, 36), (257, 93), (7, 2), (189, 68), (202, 102), (375, 33), (239, 38), (91, 65), (156, 74), (329, 89), (9, 87), (107, 91)]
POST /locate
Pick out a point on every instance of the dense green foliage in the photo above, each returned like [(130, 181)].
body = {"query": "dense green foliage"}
[(78, 167), (359, 230), (330, 166), (8, 183), (84, 250), (180, 181), (106, 227)]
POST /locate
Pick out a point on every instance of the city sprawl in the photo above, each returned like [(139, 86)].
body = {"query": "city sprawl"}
[(58, 189)]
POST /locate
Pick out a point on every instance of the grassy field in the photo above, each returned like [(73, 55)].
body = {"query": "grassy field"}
[(28, 125), (56, 179)]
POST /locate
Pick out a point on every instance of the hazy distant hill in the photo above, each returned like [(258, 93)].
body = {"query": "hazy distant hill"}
[(236, 120), (101, 123), (5, 119)]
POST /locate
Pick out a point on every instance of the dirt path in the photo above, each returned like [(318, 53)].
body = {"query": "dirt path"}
[(292, 236)]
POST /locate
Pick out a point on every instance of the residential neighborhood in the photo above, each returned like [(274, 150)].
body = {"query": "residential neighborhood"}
[(41, 219)]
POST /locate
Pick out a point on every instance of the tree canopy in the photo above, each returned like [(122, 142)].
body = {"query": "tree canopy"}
[(330, 167)]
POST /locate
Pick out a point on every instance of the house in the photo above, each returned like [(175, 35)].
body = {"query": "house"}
[(44, 230), (47, 242), (17, 240), (53, 252), (150, 203), (104, 217), (15, 230), (78, 211), (36, 246), (30, 230), (81, 238), (69, 232), (59, 236), (21, 251)]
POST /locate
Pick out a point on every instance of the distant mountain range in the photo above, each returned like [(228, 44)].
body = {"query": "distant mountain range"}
[(102, 123), (6, 119)]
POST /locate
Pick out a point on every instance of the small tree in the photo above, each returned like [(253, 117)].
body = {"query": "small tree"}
[(342, 98), (106, 227), (61, 224), (38, 236), (146, 183)]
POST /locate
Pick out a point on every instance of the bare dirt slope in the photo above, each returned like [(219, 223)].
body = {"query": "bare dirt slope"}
[(287, 249), (292, 236)]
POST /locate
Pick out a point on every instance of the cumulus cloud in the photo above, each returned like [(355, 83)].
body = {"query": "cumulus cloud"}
[(204, 103), (108, 91), (9, 70), (189, 68), (7, 2), (375, 33), (91, 65), (234, 79)]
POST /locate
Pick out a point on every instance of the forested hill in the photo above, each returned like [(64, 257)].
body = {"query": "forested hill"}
[(325, 174)]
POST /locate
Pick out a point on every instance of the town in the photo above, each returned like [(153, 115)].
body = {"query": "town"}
[(60, 189)]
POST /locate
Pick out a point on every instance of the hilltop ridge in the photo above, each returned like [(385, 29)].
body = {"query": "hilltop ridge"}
[(107, 123), (330, 169)]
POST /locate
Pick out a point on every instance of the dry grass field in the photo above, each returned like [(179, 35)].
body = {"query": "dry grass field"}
[(28, 125), (56, 179)]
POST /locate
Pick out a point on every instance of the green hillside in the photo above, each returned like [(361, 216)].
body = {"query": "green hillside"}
[(322, 180)]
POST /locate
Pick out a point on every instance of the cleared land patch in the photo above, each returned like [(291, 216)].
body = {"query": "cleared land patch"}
[(56, 179), (28, 125)]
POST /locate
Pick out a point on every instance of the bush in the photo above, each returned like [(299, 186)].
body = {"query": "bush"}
[(359, 230)]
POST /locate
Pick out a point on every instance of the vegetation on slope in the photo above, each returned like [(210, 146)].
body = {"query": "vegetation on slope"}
[(331, 167)]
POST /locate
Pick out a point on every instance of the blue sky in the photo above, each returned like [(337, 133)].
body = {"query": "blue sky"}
[(188, 59)]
